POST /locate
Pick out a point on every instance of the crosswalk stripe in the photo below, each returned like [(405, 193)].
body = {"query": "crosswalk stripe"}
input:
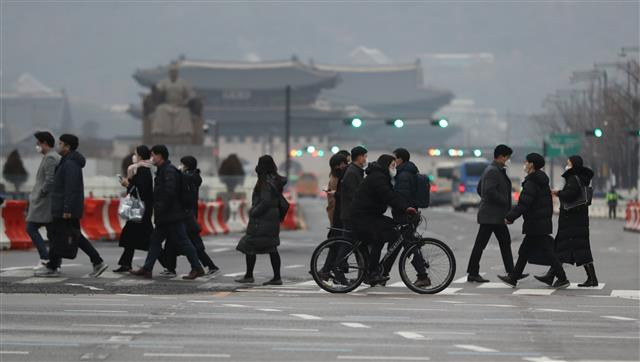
[(43, 280), (630, 294)]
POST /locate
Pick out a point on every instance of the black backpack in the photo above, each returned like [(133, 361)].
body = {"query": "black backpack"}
[(187, 192), (423, 191)]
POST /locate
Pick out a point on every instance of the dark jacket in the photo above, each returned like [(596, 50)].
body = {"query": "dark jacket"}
[(376, 193), (263, 230), (406, 185), (535, 205), (67, 195), (353, 177), (167, 205), (572, 241), (136, 234), (194, 181), (494, 189)]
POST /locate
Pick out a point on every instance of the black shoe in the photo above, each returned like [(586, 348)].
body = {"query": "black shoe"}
[(245, 280), (476, 279), (377, 279), (422, 282), (561, 283), (339, 278), (546, 279), (522, 276), (508, 280), (273, 282), (592, 280), (324, 276), (122, 269)]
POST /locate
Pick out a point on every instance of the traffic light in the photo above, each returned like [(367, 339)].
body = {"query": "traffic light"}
[(335, 149), (434, 152), (455, 152), (634, 133), (311, 149), (477, 153), (355, 122), (440, 122), (397, 123), (596, 132)]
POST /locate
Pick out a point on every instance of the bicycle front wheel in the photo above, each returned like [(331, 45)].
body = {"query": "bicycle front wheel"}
[(427, 266), (337, 267)]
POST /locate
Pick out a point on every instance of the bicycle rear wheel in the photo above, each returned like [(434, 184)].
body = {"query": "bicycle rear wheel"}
[(430, 256), (337, 267)]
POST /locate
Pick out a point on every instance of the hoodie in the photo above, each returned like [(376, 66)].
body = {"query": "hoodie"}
[(535, 205), (67, 195)]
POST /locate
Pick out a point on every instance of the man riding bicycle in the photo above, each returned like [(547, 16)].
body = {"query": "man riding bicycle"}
[(370, 203)]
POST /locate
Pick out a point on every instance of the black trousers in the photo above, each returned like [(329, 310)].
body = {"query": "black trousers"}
[(168, 257), (374, 231), (482, 239), (612, 211), (83, 244), (544, 244)]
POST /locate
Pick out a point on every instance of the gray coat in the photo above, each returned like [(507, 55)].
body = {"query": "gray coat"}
[(40, 198), (495, 193)]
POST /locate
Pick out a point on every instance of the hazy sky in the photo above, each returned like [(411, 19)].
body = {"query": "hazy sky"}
[(92, 48)]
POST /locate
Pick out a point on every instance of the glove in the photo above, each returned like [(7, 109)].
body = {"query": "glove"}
[(411, 211)]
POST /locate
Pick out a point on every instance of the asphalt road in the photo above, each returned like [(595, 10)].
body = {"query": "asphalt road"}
[(121, 318)]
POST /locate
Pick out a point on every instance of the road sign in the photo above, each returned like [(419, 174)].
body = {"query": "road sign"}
[(563, 144)]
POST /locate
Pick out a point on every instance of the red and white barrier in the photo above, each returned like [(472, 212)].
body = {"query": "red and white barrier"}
[(13, 225), (235, 222), (215, 217), (205, 227), (632, 216)]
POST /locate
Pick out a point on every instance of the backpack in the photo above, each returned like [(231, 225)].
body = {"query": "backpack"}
[(187, 192), (423, 191)]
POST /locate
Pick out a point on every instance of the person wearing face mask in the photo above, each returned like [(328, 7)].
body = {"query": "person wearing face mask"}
[(494, 189), (67, 208), (370, 202), (139, 182), (39, 213), (353, 176), (263, 231), (572, 244), (536, 208)]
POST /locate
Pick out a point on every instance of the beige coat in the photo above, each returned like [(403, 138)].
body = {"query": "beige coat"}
[(331, 197)]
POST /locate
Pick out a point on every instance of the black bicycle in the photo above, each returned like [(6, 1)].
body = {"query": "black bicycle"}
[(339, 264)]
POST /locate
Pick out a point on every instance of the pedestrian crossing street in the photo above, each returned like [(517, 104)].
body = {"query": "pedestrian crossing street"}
[(225, 281)]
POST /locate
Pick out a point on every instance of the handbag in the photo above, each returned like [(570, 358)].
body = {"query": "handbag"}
[(131, 207), (64, 239), (585, 197), (283, 206)]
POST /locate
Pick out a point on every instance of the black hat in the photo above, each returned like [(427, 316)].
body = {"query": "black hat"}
[(576, 161), (536, 159), (358, 151)]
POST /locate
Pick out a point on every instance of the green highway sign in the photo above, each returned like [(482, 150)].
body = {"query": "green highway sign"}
[(562, 144)]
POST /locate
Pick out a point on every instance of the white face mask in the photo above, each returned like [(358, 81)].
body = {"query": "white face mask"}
[(38, 149), (181, 168), (393, 172), (567, 168), (507, 163)]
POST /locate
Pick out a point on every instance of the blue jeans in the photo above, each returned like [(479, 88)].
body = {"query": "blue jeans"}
[(36, 238), (175, 234)]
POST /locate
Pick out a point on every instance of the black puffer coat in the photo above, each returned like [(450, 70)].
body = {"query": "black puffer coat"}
[(67, 194), (535, 205), (572, 241), (136, 234), (263, 230), (167, 204), (376, 193)]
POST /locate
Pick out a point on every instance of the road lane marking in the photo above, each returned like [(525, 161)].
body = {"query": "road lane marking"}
[(14, 352), (306, 316), (90, 287), (94, 311), (474, 348), (269, 310), (294, 266), (311, 349), (630, 294), (354, 325), (131, 332), (383, 358), (411, 335), (99, 325), (42, 280), (235, 306), (574, 286), (234, 274), (30, 267), (281, 329), (493, 286), (607, 337), (120, 339), (305, 284), (542, 359), (219, 250), (105, 304), (449, 291), (533, 291), (187, 355), (444, 332), (618, 318), (361, 303), (463, 279)]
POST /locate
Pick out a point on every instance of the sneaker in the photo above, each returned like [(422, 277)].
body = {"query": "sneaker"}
[(122, 269), (46, 272), (41, 264), (168, 273), (476, 279), (422, 282), (213, 271), (324, 276), (508, 280), (98, 269), (561, 283)]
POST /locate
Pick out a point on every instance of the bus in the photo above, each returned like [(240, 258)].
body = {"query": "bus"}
[(466, 177)]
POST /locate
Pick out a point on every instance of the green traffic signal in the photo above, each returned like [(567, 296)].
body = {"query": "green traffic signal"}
[(443, 123), (356, 122), (598, 132), (398, 123)]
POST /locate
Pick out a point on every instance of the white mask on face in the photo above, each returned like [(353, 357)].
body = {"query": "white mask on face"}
[(38, 149), (567, 168), (507, 163), (393, 172), (181, 168)]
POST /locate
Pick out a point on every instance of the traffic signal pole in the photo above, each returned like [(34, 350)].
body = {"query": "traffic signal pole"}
[(287, 130)]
